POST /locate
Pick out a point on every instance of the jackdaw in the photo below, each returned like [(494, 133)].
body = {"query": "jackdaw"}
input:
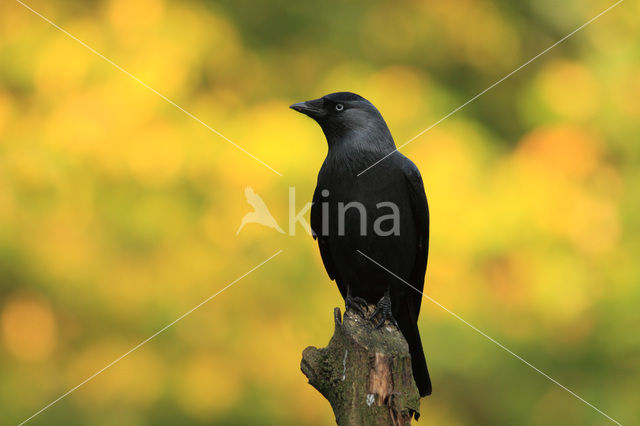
[(381, 213)]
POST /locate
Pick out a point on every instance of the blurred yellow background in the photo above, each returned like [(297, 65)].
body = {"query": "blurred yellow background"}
[(118, 212)]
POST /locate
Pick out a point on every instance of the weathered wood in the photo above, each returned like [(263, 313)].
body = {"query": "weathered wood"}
[(364, 373)]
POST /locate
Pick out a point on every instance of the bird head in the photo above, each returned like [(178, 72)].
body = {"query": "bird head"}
[(347, 118)]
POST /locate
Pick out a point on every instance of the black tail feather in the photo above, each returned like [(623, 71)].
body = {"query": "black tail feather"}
[(411, 333)]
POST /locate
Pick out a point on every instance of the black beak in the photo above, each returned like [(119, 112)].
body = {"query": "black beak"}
[(313, 108)]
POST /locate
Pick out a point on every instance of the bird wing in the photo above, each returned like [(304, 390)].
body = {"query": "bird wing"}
[(316, 231), (420, 210)]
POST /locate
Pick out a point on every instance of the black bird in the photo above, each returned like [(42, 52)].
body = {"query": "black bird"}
[(387, 220)]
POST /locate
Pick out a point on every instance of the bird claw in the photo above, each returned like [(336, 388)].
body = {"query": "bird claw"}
[(357, 304), (383, 308)]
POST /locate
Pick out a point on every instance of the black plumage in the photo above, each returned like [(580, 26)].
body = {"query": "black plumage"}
[(358, 137)]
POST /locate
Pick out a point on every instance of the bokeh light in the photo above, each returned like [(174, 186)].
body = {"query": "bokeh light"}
[(119, 212)]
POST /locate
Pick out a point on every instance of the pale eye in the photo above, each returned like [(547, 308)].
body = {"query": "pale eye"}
[(339, 107)]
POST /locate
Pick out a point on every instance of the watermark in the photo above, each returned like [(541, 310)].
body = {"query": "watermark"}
[(338, 217)]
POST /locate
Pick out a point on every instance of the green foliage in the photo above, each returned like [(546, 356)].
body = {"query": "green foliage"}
[(118, 212)]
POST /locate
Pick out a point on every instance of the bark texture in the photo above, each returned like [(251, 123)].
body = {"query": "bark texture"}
[(364, 373)]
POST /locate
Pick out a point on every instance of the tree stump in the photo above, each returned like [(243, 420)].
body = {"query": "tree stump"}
[(364, 373)]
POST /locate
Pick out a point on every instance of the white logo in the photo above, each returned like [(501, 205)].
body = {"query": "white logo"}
[(263, 216), (260, 213)]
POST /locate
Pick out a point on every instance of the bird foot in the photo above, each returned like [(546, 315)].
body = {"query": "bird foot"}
[(383, 308), (357, 304)]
